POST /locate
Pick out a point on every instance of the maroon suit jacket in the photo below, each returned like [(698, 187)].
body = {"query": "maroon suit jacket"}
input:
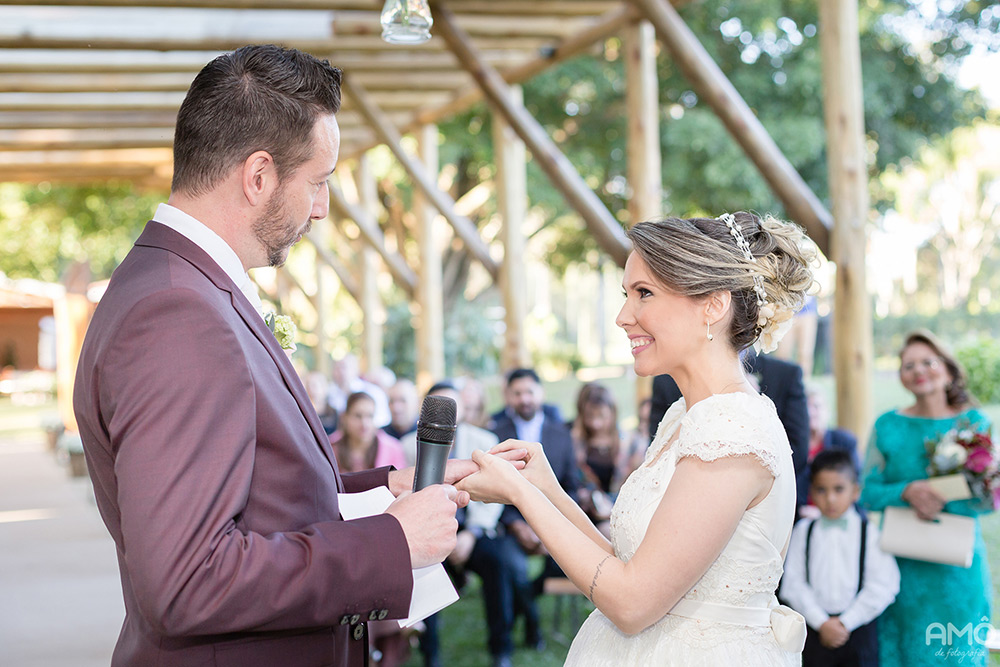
[(217, 482)]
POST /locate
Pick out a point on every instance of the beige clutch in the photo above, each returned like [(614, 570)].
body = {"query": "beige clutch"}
[(949, 539)]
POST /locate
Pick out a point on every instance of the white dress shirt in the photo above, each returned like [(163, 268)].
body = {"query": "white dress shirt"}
[(529, 430), (833, 574), (213, 245)]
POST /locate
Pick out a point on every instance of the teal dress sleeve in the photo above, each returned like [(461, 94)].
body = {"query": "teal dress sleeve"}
[(878, 490)]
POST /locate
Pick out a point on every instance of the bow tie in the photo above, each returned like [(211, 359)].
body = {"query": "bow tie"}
[(834, 523)]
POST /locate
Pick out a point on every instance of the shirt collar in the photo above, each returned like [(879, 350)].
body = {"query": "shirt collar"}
[(206, 239)]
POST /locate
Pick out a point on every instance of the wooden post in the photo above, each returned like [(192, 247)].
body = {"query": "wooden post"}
[(464, 228), (372, 309), (844, 112), (560, 171), (430, 293), (645, 175), (512, 196), (715, 89)]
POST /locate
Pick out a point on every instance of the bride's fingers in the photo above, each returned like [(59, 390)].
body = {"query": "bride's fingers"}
[(511, 445)]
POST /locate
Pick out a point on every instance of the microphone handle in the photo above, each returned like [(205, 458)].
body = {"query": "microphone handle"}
[(432, 457)]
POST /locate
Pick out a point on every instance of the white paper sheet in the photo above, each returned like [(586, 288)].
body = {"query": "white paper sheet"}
[(432, 588)]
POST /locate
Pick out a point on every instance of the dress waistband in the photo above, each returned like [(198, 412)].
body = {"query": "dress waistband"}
[(722, 613), (787, 626)]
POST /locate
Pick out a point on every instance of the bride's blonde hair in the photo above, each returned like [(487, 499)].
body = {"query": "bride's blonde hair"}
[(695, 257)]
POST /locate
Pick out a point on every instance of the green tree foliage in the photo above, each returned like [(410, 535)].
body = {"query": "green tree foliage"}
[(770, 51), (45, 228)]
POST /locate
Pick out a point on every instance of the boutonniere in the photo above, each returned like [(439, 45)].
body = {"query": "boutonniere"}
[(283, 328)]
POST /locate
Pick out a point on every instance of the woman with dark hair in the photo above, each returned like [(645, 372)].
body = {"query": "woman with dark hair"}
[(896, 474), (596, 437), (359, 444), (699, 531)]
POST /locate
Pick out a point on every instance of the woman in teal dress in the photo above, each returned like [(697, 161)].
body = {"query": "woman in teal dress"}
[(896, 474)]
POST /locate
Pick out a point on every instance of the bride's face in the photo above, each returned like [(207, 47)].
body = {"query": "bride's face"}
[(663, 328)]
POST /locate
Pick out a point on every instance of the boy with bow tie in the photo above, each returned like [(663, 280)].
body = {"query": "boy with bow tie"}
[(836, 575)]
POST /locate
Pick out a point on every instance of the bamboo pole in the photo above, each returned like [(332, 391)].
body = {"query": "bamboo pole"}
[(464, 228), (512, 198), (372, 309), (581, 198), (400, 270), (844, 113), (714, 88), (430, 293)]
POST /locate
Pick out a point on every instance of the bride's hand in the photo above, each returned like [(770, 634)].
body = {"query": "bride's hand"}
[(497, 481), (536, 466)]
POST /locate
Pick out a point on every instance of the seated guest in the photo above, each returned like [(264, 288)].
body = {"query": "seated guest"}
[(836, 575), (347, 380), (316, 387), (403, 408), (524, 418), (358, 444), (597, 443)]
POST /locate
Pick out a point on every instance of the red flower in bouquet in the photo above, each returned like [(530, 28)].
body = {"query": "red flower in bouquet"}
[(962, 450)]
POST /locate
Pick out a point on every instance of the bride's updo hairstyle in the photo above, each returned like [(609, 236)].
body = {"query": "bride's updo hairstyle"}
[(698, 256)]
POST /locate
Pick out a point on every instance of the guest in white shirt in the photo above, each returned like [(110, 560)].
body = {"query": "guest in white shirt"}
[(836, 575)]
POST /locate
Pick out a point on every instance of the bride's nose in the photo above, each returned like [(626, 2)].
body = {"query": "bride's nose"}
[(625, 316)]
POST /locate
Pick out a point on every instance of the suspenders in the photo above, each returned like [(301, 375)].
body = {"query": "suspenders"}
[(861, 558)]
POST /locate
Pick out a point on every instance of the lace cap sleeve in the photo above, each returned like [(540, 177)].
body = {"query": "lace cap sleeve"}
[(733, 425)]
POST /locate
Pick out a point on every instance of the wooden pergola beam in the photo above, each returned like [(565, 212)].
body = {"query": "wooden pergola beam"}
[(605, 228), (389, 135), (397, 266), (715, 89), (497, 7), (346, 277), (360, 43), (27, 120), (609, 24)]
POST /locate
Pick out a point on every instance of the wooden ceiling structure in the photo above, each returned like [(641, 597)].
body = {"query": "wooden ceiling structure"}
[(89, 91)]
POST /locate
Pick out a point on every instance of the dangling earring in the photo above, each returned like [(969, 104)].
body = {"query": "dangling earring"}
[(708, 331)]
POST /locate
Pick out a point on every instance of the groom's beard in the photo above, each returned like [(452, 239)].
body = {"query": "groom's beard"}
[(275, 231)]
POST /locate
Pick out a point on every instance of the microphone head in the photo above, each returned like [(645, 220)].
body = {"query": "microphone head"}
[(438, 417)]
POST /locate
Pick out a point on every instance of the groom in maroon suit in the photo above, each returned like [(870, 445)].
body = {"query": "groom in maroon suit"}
[(211, 468)]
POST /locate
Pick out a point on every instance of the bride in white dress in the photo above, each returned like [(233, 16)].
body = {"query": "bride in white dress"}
[(699, 531)]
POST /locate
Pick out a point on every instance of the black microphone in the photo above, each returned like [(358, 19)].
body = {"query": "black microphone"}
[(435, 436)]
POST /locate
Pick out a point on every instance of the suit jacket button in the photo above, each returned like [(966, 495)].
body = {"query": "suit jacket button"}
[(355, 618), (373, 615), (345, 619), (359, 631), (382, 613)]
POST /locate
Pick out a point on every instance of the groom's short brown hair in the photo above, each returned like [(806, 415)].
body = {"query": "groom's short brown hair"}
[(259, 97)]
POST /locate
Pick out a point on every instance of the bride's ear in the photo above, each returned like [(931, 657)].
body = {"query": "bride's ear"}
[(717, 305)]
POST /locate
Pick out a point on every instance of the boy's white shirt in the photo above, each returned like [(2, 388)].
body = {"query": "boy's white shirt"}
[(833, 573)]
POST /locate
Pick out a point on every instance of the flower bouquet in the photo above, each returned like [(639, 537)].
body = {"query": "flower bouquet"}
[(971, 454)]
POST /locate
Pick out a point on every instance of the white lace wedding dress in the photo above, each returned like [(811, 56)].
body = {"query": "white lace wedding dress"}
[(745, 574)]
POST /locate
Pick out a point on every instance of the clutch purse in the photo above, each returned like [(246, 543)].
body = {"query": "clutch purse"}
[(948, 539)]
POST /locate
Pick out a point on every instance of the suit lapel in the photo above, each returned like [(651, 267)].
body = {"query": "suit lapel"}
[(160, 236)]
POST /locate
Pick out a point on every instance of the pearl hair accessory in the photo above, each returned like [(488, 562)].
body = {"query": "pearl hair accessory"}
[(744, 245), (773, 320)]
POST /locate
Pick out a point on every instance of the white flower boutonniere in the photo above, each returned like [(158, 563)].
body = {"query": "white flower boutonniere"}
[(283, 328)]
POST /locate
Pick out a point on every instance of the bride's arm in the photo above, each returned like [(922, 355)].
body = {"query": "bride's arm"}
[(697, 516)]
